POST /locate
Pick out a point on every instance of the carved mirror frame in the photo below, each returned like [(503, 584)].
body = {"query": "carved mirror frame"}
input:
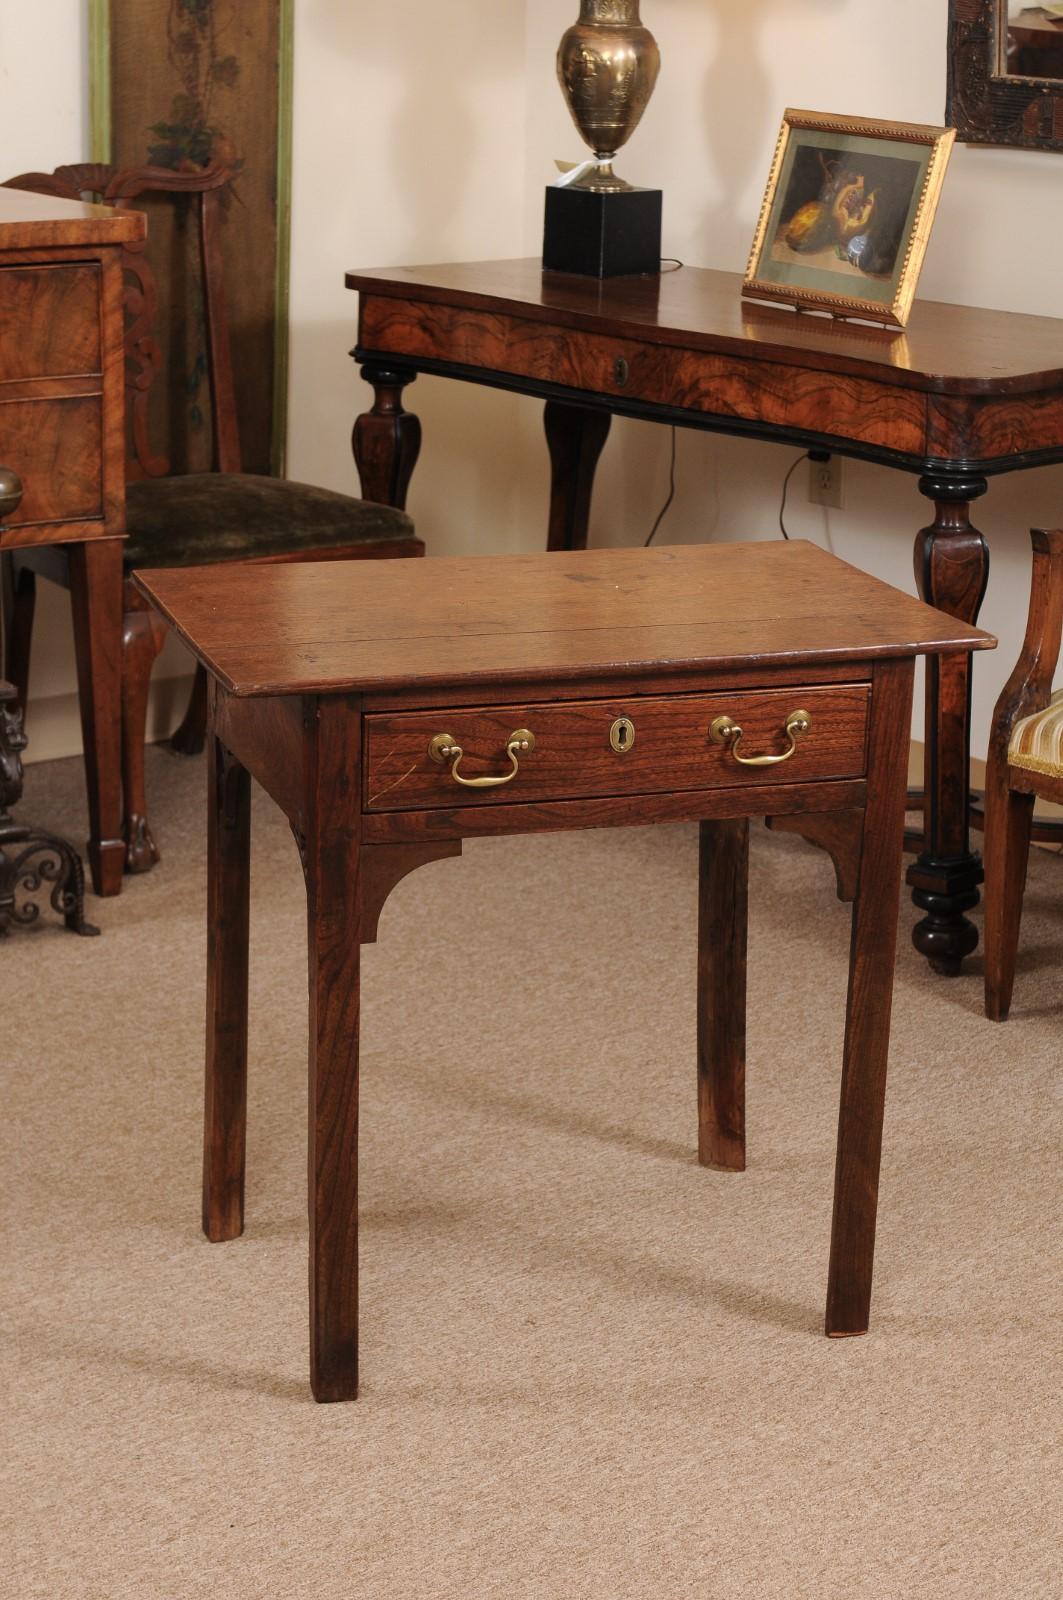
[(984, 105)]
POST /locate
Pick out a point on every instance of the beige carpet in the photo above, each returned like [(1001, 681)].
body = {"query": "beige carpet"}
[(590, 1369)]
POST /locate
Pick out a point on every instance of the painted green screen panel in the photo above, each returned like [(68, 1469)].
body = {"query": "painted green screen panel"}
[(178, 83)]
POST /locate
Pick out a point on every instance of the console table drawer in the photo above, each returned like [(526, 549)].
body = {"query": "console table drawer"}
[(641, 745), (713, 382), (53, 314)]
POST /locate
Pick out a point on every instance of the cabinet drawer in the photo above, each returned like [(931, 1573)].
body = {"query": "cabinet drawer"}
[(49, 321), (667, 745), (56, 447)]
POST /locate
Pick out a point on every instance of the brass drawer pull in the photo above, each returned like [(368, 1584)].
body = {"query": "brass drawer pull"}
[(443, 749), (10, 492), (726, 731)]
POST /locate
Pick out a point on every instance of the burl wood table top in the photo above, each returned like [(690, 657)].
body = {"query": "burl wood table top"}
[(337, 626), (31, 221), (945, 349)]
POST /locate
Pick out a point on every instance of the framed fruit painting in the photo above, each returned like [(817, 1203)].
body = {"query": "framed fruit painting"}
[(847, 215)]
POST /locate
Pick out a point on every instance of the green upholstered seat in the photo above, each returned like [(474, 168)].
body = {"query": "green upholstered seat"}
[(214, 516)]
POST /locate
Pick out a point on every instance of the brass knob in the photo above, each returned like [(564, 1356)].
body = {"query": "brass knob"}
[(10, 492)]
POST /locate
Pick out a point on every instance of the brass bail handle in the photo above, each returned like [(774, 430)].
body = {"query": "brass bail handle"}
[(444, 748), (726, 731)]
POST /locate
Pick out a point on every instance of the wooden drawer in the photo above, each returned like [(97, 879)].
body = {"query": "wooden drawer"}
[(643, 370), (574, 757), (50, 321), (56, 447)]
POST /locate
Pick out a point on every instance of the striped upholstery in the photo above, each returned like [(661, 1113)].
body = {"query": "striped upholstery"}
[(1037, 741)]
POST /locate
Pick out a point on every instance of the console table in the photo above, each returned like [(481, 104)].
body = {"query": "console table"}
[(394, 708), (959, 396), (62, 434)]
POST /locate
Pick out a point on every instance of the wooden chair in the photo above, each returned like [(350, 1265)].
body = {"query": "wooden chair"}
[(1025, 760), (196, 518)]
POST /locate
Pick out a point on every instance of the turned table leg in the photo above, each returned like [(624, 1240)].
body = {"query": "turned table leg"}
[(331, 862), (575, 436), (387, 439), (872, 957), (722, 917), (96, 604), (228, 892), (951, 573)]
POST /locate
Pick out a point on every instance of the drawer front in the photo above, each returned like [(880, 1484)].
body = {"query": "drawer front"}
[(745, 386), (55, 446), (50, 321), (660, 744)]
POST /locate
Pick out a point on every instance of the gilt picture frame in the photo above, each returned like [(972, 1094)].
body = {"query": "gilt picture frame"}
[(847, 215)]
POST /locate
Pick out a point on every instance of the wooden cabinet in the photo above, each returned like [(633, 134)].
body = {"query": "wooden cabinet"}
[(62, 430)]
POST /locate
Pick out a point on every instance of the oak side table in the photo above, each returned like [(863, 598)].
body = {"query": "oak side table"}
[(392, 709)]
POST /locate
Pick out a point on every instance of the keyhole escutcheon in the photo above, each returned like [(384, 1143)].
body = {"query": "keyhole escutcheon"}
[(622, 735)]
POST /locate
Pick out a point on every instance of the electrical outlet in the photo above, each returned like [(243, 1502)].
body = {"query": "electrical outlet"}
[(825, 482)]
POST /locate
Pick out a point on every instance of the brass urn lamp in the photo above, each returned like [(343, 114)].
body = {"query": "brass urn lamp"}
[(596, 223)]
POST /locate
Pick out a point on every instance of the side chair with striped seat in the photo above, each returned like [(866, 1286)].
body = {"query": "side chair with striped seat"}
[(1025, 761)]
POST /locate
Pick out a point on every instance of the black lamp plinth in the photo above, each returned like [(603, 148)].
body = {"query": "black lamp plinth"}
[(602, 233)]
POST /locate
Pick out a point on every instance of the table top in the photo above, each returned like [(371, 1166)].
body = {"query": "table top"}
[(451, 621), (947, 349), (29, 221)]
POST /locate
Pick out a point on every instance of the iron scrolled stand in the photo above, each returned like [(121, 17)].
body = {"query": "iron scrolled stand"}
[(31, 861)]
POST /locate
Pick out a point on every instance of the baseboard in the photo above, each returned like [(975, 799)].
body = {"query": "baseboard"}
[(54, 726)]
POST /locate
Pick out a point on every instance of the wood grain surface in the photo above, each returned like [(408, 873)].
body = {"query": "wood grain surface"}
[(671, 748), (32, 222), (946, 349), (56, 312), (869, 1006), (331, 864), (697, 380), (462, 821), (56, 447), (723, 901), (228, 918), (381, 625), (62, 419)]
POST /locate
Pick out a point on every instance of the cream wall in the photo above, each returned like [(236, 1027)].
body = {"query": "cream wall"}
[(408, 147), (427, 133), (729, 69)]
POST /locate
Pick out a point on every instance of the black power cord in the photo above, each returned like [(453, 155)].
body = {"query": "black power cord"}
[(671, 496), (785, 487), (809, 455)]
